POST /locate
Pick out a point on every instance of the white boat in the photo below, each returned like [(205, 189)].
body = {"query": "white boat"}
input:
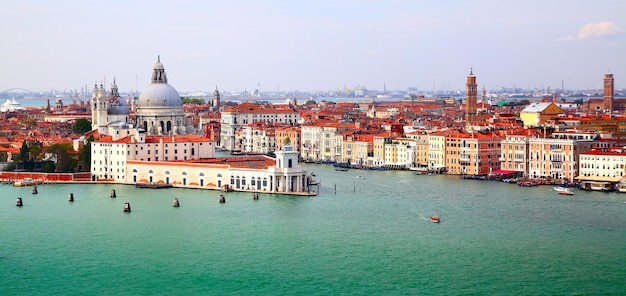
[(560, 189), (27, 182), (420, 171), (621, 187), (11, 105), (563, 190)]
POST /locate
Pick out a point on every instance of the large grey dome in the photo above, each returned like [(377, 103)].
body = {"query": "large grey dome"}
[(159, 95), (160, 109)]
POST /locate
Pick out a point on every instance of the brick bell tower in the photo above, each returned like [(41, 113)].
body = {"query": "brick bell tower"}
[(608, 92), (471, 94)]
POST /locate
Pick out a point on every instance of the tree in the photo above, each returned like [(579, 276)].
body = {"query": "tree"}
[(82, 125), (310, 102), (192, 101), (49, 167), (24, 152), (35, 152), (61, 156)]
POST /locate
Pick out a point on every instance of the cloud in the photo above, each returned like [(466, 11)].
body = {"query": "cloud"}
[(594, 30)]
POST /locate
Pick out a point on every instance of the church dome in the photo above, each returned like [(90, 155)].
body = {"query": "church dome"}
[(159, 94)]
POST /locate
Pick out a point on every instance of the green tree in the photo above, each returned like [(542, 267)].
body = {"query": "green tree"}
[(192, 101), (310, 102), (35, 152), (82, 125), (61, 155), (49, 167), (24, 152)]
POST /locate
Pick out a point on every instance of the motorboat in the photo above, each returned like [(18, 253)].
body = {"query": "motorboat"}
[(340, 169), (420, 171), (560, 189), (563, 190), (27, 182), (434, 219)]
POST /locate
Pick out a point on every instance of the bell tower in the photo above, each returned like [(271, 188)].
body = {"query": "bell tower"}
[(608, 92), (470, 97), (216, 100)]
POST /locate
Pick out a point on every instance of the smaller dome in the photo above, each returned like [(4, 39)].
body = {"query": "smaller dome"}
[(158, 66)]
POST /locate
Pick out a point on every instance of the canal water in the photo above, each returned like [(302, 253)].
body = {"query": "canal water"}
[(367, 233)]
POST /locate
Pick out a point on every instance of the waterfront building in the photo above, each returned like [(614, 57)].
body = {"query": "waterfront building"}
[(358, 149), (234, 118), (421, 147), (602, 168), (311, 140), (379, 154), (537, 114), (514, 154), (437, 150), (251, 173), (556, 158), (400, 153), (110, 154), (472, 153), (331, 140)]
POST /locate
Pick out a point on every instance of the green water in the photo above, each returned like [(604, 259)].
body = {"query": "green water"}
[(373, 237)]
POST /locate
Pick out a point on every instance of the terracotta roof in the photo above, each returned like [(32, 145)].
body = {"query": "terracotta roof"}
[(248, 162)]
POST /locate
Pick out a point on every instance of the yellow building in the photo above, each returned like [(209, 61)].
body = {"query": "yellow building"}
[(537, 114), (514, 154)]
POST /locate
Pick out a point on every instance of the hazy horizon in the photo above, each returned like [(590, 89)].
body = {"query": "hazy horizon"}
[(312, 45)]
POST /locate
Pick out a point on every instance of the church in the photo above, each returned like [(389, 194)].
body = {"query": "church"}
[(155, 144)]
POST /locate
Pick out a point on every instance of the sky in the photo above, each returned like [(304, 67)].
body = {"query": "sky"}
[(319, 45)]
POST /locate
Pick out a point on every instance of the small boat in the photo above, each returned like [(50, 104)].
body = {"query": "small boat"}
[(561, 189), (420, 171), (27, 182), (340, 169), (434, 219), (567, 192), (360, 177)]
